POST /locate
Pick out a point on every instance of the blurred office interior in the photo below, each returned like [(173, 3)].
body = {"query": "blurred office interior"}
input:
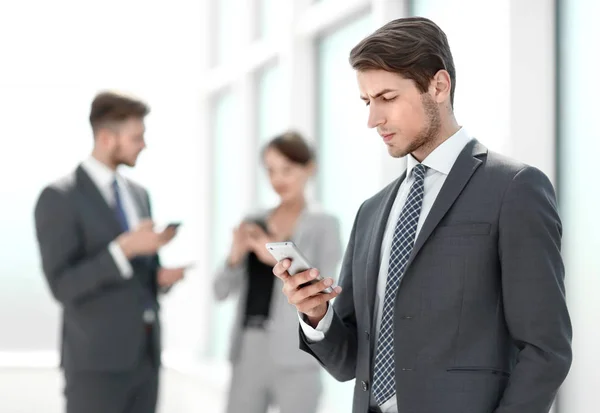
[(224, 76)]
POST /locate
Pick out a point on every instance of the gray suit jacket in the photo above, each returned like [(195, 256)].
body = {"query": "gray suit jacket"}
[(480, 322), (102, 327), (317, 235)]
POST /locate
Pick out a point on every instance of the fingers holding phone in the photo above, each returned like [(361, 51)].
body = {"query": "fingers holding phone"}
[(303, 286), (305, 294), (144, 240), (167, 234)]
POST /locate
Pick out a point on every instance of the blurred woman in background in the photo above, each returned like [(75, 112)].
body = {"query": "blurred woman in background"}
[(268, 367)]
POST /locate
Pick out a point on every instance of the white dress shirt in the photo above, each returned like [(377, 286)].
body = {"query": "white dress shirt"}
[(103, 177), (439, 163)]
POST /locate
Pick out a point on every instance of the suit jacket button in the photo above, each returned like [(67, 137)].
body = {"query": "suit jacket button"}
[(365, 385)]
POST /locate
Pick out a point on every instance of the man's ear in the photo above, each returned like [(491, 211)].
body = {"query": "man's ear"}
[(441, 86)]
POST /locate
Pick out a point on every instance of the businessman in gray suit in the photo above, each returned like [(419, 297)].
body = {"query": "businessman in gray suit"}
[(451, 296), (99, 256)]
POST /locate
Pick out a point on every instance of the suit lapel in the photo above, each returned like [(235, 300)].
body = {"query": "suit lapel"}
[(374, 254), (139, 200), (466, 164), (92, 193)]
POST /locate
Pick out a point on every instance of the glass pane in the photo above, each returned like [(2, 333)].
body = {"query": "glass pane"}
[(226, 211), (579, 146), (479, 37), (269, 18), (29, 315), (345, 145), (344, 140), (228, 35), (270, 123)]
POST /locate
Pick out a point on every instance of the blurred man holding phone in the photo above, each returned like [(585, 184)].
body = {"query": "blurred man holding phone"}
[(99, 250)]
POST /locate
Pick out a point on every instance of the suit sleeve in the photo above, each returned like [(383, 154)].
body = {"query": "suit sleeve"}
[(120, 259), (337, 351), (156, 259), (330, 248), (534, 293), (229, 280), (70, 275)]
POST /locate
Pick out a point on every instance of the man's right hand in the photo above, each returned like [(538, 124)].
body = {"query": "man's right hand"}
[(144, 240), (308, 299)]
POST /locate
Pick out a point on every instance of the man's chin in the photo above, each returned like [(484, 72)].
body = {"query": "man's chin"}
[(133, 161), (396, 152), (130, 164)]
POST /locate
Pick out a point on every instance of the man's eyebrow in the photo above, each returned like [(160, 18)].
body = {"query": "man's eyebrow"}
[(383, 92)]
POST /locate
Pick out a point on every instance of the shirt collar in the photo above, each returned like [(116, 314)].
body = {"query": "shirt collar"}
[(442, 158), (101, 174)]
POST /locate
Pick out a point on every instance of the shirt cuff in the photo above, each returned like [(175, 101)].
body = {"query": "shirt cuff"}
[(317, 334), (120, 259)]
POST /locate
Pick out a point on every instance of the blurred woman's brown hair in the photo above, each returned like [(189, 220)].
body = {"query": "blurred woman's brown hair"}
[(293, 146)]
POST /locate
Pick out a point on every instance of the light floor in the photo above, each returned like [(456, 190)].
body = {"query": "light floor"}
[(27, 390)]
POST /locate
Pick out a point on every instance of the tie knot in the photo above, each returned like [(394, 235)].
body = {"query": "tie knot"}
[(419, 171)]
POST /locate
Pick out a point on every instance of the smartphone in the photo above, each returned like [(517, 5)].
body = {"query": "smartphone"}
[(287, 249), (173, 225)]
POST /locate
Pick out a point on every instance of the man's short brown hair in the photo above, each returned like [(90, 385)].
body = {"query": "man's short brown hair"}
[(110, 107), (414, 47)]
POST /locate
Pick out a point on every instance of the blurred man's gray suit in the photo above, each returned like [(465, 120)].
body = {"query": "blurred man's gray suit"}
[(110, 356)]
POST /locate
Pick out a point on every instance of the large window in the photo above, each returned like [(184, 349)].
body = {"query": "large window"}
[(347, 153), (226, 211), (479, 36), (29, 315), (270, 123), (579, 196), (229, 28), (270, 18)]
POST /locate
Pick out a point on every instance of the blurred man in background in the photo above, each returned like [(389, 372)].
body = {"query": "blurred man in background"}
[(99, 256)]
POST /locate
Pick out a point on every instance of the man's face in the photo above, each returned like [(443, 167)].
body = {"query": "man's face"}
[(127, 141), (405, 118)]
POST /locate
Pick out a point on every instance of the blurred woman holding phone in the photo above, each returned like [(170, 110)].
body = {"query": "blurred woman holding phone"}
[(268, 367)]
